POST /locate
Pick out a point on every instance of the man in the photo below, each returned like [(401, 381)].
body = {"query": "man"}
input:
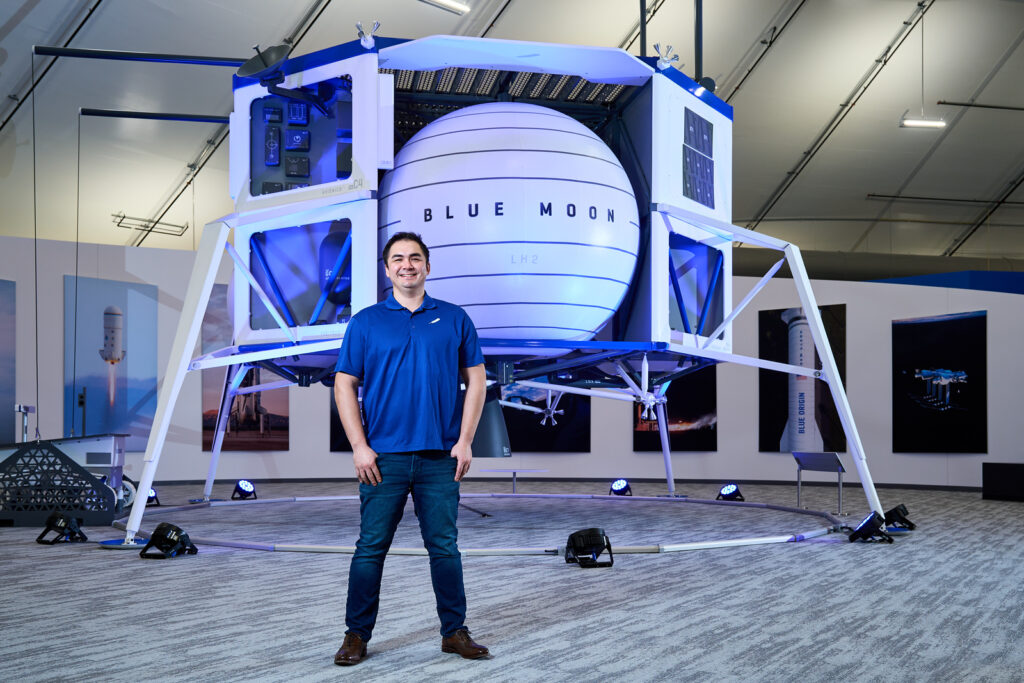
[(409, 352)]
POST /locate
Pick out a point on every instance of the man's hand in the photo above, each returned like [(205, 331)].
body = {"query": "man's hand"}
[(366, 465), (463, 453)]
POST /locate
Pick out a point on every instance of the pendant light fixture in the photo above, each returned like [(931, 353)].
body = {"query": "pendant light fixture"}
[(922, 121)]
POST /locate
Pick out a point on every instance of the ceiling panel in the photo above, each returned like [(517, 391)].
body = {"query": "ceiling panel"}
[(794, 85), (24, 23)]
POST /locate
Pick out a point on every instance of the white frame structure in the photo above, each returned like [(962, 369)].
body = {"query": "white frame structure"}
[(655, 116)]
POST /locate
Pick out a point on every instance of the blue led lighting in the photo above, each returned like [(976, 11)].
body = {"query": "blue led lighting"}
[(619, 484), (246, 485), (152, 493), (727, 489)]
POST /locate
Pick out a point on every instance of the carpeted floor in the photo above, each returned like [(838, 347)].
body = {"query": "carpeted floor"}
[(943, 603)]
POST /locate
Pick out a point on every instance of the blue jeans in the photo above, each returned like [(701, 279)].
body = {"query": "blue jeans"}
[(430, 477)]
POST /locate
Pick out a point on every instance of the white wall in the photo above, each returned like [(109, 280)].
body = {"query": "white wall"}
[(870, 308)]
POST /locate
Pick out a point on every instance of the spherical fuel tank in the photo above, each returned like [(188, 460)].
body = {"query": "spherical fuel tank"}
[(530, 219)]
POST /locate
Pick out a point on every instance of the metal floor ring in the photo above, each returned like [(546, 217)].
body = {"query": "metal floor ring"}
[(834, 524)]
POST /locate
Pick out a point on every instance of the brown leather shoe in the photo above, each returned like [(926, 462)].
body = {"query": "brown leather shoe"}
[(460, 643), (352, 651)]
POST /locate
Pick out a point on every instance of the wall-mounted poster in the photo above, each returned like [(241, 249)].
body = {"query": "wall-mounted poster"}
[(110, 348), (565, 430), (692, 411), (258, 421), (939, 385), (796, 413), (9, 432)]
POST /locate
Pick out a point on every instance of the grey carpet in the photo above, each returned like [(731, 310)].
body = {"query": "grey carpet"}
[(943, 603)]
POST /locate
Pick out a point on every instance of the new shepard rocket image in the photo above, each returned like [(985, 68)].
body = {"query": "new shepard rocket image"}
[(113, 351), (108, 390), (797, 412), (801, 432)]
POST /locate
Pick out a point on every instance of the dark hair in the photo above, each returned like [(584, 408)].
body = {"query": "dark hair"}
[(412, 237)]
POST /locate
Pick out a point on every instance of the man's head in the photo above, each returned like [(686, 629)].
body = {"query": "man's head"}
[(407, 263), (410, 236)]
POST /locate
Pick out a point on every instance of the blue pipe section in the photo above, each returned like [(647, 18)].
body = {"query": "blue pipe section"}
[(588, 359), (678, 293), (158, 116), (710, 294), (334, 279), (279, 371), (258, 251)]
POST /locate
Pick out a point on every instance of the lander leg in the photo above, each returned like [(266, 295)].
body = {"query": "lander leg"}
[(666, 451)]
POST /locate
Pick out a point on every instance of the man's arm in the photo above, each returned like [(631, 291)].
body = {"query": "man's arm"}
[(475, 378), (347, 397)]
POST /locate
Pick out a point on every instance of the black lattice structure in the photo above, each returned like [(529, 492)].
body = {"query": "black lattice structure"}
[(39, 479)]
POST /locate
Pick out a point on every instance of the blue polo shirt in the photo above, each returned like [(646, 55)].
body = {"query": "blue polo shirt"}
[(409, 364)]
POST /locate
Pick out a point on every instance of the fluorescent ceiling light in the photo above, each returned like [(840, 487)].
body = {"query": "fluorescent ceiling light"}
[(449, 6), (921, 122)]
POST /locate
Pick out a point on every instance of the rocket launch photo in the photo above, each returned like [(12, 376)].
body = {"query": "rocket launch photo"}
[(796, 413), (108, 390)]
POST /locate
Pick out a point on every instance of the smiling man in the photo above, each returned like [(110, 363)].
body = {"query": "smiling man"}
[(410, 353)]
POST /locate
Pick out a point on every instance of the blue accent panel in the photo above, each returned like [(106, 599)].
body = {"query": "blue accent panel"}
[(688, 84), (710, 294), (329, 55), (556, 344), (536, 327), (611, 346), (297, 348), (981, 280), (334, 279), (588, 360), (257, 250), (678, 293)]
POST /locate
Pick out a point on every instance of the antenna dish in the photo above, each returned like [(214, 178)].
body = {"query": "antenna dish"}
[(265, 63)]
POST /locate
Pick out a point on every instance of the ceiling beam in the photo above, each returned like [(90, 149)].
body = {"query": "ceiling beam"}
[(916, 198), (634, 33), (30, 79), (122, 55), (966, 234), (773, 35), (1005, 107)]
